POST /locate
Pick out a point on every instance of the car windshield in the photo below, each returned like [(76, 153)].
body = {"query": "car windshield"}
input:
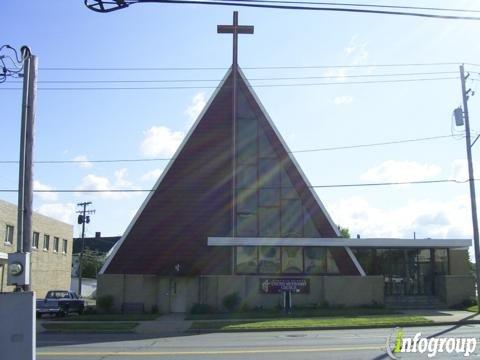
[(57, 295)]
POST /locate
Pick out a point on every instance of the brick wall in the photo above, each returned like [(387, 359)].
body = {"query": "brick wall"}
[(50, 269)]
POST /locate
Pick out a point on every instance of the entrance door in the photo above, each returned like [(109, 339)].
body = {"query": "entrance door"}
[(178, 295)]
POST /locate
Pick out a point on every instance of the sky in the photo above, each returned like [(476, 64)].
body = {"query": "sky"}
[(147, 124)]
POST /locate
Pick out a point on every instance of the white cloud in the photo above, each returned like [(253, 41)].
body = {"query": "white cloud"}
[(460, 169), (61, 211), (102, 183), (343, 100), (401, 171), (46, 196), (160, 140), (428, 218), (196, 106), (152, 175), (84, 163), (357, 50), (338, 74)]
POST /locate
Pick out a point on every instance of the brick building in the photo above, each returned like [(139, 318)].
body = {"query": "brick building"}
[(51, 250)]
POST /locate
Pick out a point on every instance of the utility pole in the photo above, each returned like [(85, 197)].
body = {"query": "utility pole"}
[(83, 219), (471, 179), (25, 183)]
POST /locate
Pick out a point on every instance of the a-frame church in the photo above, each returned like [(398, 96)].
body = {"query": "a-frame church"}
[(234, 213)]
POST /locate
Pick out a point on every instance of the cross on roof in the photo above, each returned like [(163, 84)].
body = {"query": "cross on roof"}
[(235, 29)]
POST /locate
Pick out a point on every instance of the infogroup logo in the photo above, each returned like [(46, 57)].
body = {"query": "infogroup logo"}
[(397, 344)]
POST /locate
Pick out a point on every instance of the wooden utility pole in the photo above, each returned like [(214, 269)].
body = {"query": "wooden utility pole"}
[(25, 176), (471, 181), (83, 219)]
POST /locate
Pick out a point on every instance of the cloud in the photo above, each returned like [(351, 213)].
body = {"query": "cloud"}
[(160, 140), (102, 183), (152, 175), (428, 218), (357, 50), (337, 74), (196, 106), (460, 169), (61, 211), (343, 100), (46, 196), (401, 171), (84, 163)]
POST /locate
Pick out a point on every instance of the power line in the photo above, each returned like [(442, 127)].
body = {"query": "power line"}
[(439, 181), (88, 68), (99, 5), (253, 86), (249, 79), (393, 142)]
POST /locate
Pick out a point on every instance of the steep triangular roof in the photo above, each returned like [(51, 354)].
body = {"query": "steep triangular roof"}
[(192, 200)]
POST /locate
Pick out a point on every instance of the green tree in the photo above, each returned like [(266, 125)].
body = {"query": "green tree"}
[(91, 263), (344, 232)]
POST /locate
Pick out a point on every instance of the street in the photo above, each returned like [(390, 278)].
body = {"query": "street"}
[(331, 344)]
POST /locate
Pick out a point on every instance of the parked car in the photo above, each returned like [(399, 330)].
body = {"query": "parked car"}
[(60, 303)]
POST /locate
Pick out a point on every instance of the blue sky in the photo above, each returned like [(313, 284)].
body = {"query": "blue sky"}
[(119, 124)]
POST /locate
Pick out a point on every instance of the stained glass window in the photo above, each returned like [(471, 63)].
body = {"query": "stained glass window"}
[(292, 259), (246, 259), (315, 260), (268, 259)]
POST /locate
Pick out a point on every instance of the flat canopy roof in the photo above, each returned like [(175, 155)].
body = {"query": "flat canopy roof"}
[(341, 242)]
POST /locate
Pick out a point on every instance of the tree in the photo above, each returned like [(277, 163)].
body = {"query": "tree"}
[(91, 263), (344, 232)]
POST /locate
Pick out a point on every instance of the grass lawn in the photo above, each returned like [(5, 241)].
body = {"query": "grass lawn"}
[(91, 327), (472, 308), (299, 313), (311, 323), (109, 317)]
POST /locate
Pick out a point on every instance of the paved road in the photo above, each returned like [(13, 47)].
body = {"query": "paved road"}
[(332, 344)]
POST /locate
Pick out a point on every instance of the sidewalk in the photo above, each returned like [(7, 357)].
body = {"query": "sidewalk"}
[(165, 324), (445, 316)]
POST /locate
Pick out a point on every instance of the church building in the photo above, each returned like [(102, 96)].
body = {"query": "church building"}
[(234, 213)]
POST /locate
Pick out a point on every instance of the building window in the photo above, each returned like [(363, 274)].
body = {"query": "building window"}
[(9, 235), (269, 259), (35, 240), (64, 246), (246, 259), (315, 260), (46, 242), (292, 259), (56, 244)]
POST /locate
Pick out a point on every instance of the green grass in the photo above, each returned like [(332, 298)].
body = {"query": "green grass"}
[(109, 317), (298, 313), (91, 327), (473, 308), (311, 323)]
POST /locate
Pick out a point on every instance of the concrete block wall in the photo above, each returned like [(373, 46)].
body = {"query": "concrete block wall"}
[(50, 270), (455, 289), (150, 290)]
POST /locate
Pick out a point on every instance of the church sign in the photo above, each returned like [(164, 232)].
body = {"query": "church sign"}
[(275, 286)]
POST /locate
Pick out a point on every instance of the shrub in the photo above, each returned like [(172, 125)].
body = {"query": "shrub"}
[(231, 301), (198, 308), (105, 303), (155, 309)]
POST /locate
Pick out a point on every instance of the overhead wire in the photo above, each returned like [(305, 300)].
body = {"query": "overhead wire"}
[(278, 6), (392, 183), (252, 86), (393, 142)]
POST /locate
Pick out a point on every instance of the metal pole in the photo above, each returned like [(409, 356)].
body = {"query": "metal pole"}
[(234, 115), (472, 184)]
